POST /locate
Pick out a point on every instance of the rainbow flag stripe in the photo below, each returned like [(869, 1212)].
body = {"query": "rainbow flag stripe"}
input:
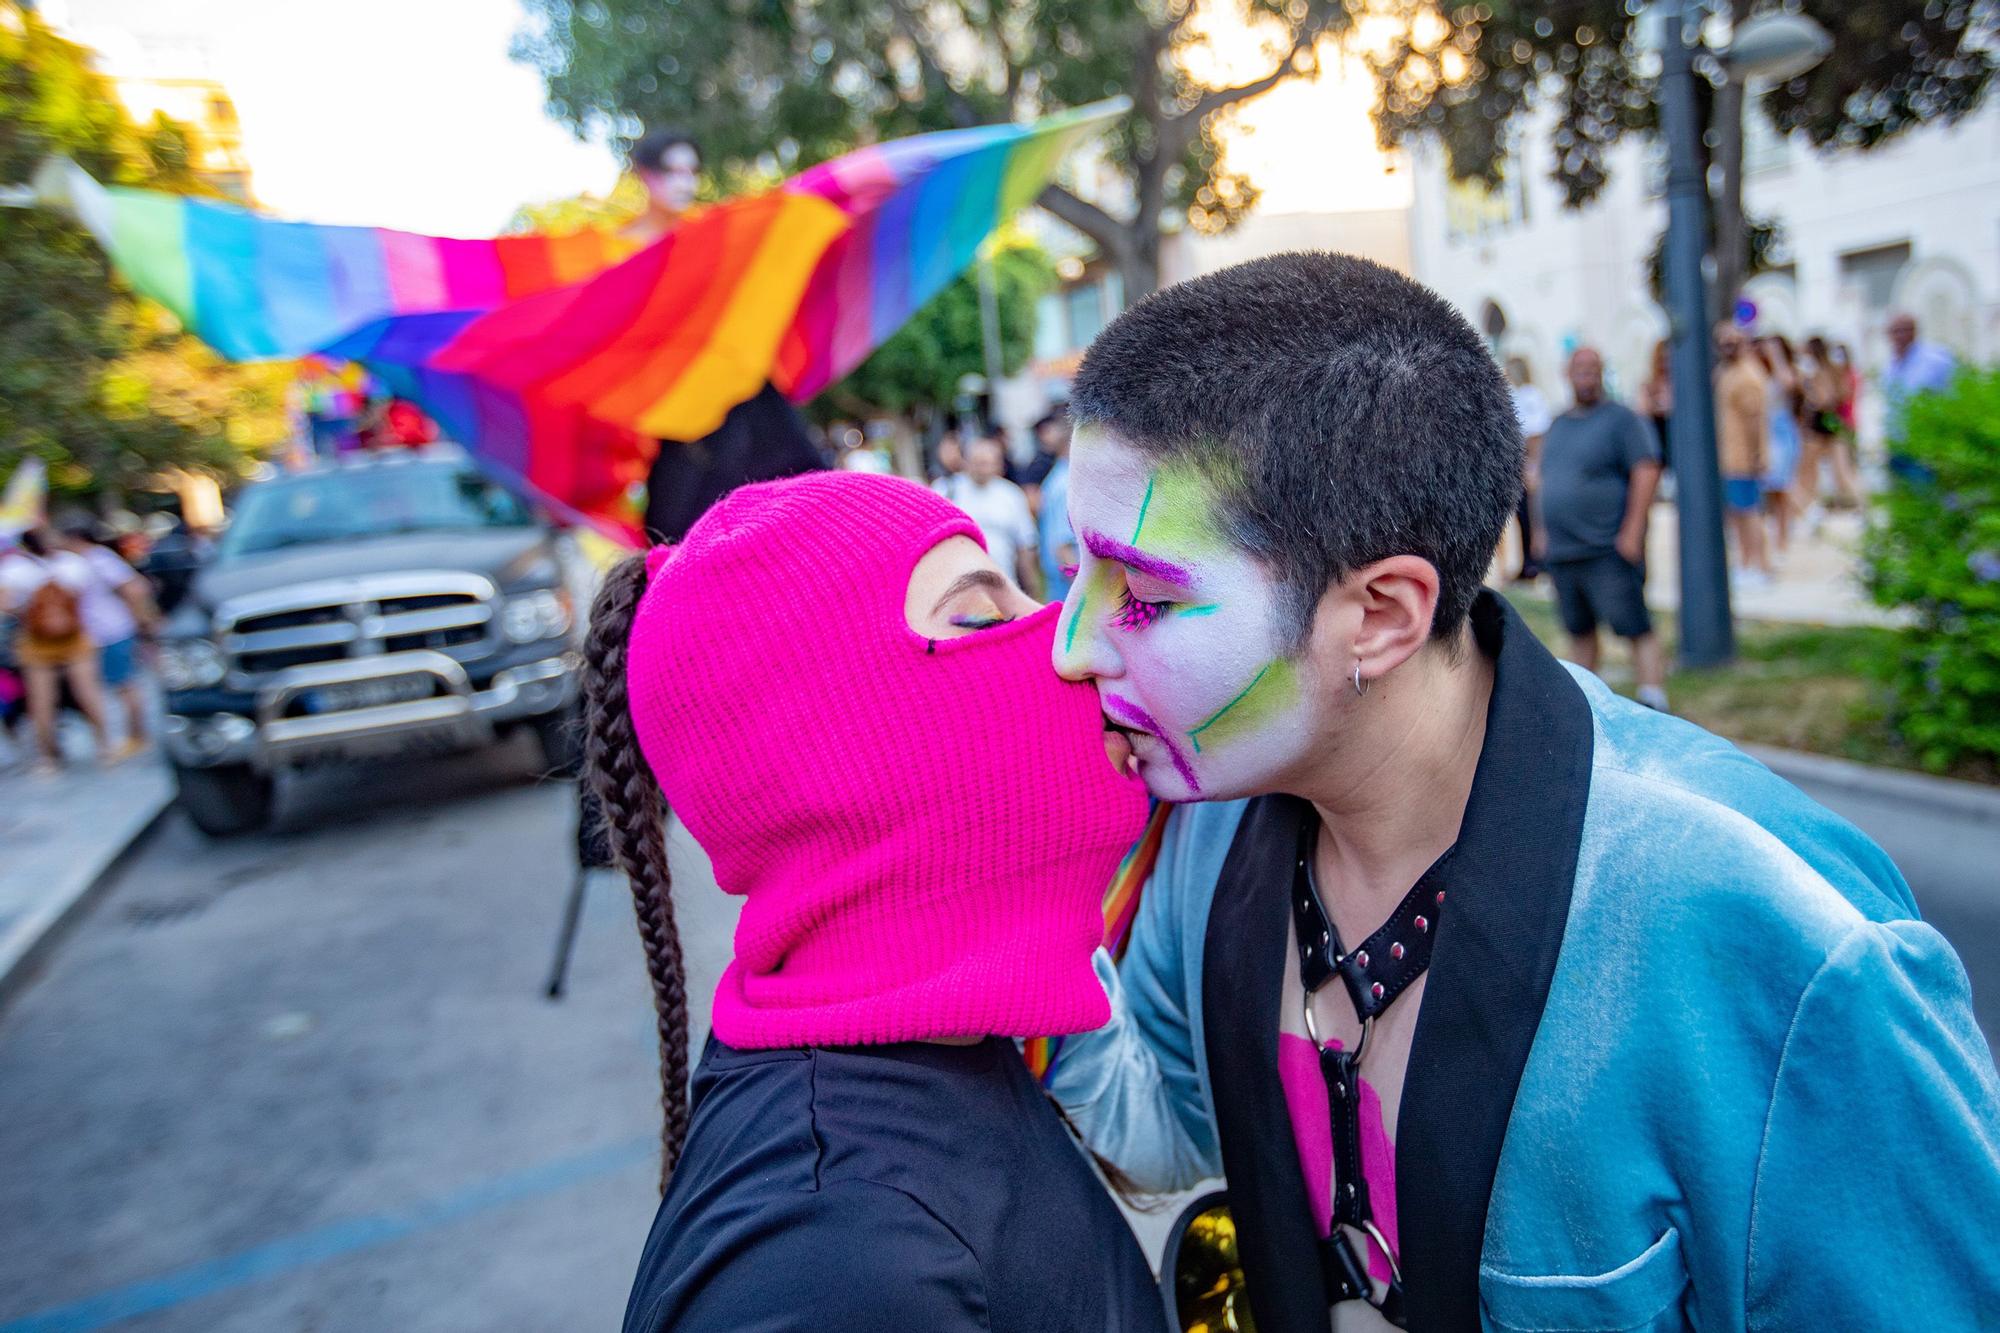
[(558, 361), (1121, 905)]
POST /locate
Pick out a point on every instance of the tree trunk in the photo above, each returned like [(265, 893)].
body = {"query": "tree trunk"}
[(1732, 243)]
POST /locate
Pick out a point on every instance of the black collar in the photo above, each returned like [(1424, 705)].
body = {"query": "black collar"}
[(1509, 881)]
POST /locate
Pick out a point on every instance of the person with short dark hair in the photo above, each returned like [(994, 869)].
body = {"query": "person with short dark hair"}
[(1600, 467), (668, 163), (1499, 1000)]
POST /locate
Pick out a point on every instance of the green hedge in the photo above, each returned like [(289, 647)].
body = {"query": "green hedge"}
[(1934, 549)]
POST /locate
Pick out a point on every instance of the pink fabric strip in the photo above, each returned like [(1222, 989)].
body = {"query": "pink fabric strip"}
[(1312, 1132)]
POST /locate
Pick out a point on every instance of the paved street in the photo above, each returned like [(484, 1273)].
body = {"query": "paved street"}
[(308, 1081)]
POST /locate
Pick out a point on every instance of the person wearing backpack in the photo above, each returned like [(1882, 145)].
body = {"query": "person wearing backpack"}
[(42, 586)]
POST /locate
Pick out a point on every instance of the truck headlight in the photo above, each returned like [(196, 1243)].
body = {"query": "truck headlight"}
[(190, 664), (533, 616)]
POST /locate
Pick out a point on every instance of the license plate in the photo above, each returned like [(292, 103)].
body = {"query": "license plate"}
[(376, 693)]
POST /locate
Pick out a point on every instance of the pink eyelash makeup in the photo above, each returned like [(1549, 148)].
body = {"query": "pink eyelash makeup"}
[(1134, 614)]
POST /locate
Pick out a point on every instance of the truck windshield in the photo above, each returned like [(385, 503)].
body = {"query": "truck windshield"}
[(368, 502)]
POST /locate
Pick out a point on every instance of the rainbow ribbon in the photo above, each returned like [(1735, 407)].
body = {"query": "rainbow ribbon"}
[(1121, 905), (559, 361)]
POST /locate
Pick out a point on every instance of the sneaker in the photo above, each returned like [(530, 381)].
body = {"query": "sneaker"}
[(1750, 580), (1654, 698)]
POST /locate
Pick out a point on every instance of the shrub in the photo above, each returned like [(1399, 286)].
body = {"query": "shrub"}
[(1934, 550)]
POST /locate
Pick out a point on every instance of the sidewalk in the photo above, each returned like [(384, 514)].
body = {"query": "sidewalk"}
[(1818, 579), (57, 838)]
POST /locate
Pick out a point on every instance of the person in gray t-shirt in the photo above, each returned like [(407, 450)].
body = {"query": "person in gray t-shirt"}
[(1600, 466)]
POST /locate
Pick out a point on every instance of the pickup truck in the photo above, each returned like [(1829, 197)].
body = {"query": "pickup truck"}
[(360, 610)]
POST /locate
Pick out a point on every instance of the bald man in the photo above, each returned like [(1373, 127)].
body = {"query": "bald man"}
[(1600, 467)]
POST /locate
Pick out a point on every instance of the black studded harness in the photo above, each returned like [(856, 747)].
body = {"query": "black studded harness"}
[(1375, 972)]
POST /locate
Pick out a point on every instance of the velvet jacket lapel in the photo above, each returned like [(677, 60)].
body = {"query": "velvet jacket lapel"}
[(1498, 937)]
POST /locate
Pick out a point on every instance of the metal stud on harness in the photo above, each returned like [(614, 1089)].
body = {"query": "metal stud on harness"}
[(1374, 974)]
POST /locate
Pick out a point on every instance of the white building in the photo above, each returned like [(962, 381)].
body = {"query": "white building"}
[(1913, 225)]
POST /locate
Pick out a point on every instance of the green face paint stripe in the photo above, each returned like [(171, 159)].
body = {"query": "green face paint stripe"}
[(1144, 505), (1069, 639), (1210, 609), (1216, 716)]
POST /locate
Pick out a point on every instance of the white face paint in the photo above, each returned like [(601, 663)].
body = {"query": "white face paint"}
[(672, 184), (1179, 629)]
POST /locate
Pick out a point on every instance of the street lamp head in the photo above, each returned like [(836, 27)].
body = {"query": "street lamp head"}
[(1776, 47)]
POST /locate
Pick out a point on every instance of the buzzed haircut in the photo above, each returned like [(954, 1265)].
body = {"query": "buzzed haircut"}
[(648, 151), (1344, 413)]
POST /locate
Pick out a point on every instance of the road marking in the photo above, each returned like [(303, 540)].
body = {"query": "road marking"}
[(329, 1242)]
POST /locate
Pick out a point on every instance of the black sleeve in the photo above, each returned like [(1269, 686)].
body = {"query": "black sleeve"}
[(853, 1257)]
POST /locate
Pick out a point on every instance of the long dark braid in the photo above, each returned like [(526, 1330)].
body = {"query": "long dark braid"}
[(635, 815)]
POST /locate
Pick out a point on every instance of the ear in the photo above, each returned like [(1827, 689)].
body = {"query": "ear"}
[(1396, 599)]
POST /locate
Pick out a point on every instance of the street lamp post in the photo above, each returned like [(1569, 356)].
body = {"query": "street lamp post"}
[(1707, 631)]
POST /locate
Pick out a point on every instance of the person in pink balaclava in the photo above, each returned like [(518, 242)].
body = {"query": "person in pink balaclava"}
[(850, 707)]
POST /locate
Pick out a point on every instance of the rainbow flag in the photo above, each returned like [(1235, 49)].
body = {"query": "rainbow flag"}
[(559, 361), (1121, 905)]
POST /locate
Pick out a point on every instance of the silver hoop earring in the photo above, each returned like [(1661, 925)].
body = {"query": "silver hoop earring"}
[(1360, 687)]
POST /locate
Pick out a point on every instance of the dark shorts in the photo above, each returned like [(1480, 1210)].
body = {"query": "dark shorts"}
[(1607, 588)]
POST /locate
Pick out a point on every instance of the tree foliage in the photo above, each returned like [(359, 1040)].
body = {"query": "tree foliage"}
[(1934, 554), (1466, 73), (97, 382), (768, 86)]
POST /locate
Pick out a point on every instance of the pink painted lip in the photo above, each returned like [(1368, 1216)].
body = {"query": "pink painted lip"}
[(1128, 714)]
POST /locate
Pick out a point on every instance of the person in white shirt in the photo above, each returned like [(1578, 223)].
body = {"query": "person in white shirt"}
[(117, 608), (42, 586), (999, 507)]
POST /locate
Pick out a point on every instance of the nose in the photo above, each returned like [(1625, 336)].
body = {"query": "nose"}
[(1083, 650)]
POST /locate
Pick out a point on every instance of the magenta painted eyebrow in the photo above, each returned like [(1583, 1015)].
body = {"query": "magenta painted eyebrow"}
[(1106, 548)]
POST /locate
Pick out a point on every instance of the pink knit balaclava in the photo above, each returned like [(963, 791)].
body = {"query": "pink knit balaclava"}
[(922, 831)]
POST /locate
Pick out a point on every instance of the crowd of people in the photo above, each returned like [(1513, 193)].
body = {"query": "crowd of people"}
[(76, 614), (1786, 428)]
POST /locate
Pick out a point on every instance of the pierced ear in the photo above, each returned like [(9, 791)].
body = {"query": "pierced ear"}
[(1396, 599)]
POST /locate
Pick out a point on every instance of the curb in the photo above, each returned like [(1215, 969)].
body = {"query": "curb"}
[(1968, 800), (25, 946)]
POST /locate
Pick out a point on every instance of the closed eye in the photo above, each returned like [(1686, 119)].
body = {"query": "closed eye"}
[(1136, 613)]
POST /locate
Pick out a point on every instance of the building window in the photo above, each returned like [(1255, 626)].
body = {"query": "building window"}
[(1474, 210), (1874, 272)]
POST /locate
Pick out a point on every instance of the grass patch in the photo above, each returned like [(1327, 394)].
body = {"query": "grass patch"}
[(1803, 687)]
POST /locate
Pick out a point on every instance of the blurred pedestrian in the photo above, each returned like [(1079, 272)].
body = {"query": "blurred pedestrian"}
[(1058, 538), (1600, 468), (1914, 367), (1030, 475), (1824, 436), (1742, 440), (1783, 398), (999, 508), (117, 610), (43, 586), (1531, 409), (1656, 401)]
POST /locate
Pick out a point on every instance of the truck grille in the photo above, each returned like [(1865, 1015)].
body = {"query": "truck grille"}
[(447, 612)]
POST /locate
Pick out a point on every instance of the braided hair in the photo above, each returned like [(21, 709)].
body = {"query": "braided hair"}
[(635, 815)]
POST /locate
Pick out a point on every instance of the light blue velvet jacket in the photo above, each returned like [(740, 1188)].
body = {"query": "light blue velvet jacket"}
[(1756, 1097)]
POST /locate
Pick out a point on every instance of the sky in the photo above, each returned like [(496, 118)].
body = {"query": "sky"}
[(409, 113), (396, 113)]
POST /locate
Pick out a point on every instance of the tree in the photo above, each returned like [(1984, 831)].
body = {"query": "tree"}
[(1465, 74), (93, 380), (769, 86)]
